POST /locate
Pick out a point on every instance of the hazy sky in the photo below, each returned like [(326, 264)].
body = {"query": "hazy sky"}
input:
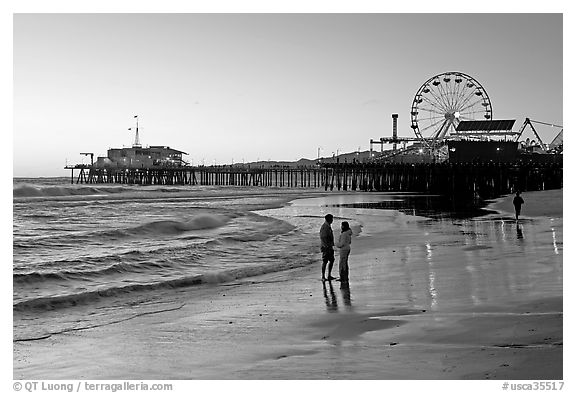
[(234, 87)]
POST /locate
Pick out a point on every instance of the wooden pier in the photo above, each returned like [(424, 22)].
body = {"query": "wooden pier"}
[(309, 177), (485, 180)]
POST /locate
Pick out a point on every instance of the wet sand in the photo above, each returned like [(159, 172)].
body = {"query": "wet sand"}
[(427, 300)]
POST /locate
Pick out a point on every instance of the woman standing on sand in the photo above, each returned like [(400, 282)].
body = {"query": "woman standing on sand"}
[(344, 245)]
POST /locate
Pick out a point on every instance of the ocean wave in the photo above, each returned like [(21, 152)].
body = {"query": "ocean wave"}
[(87, 297), (166, 227), (95, 262), (29, 190), (84, 274), (204, 221), (199, 222), (62, 301)]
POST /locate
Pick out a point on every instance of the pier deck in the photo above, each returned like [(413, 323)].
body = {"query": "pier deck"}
[(474, 179)]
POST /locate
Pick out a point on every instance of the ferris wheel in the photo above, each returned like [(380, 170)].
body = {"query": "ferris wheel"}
[(445, 100)]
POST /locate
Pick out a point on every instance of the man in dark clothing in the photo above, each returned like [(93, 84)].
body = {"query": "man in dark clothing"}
[(327, 246), (518, 201)]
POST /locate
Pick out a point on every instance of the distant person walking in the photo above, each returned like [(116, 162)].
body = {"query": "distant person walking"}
[(327, 246), (344, 245), (518, 201)]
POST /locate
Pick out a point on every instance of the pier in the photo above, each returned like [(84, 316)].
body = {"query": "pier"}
[(485, 179)]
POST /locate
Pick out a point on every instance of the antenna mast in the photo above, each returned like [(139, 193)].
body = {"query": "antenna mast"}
[(137, 137)]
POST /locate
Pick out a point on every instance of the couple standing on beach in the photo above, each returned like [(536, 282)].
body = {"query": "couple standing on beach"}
[(327, 248)]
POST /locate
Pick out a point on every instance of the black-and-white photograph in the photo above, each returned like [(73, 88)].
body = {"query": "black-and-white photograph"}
[(287, 196)]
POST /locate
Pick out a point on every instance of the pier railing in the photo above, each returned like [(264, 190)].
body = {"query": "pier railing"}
[(472, 179)]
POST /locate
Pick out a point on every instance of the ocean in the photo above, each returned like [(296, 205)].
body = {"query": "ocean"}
[(87, 255), (110, 250)]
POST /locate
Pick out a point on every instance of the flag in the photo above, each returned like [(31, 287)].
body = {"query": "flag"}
[(136, 116)]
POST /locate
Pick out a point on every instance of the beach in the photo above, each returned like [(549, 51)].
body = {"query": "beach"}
[(443, 298)]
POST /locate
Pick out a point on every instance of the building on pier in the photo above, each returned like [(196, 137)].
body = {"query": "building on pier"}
[(136, 165), (138, 157), (142, 157), (473, 141)]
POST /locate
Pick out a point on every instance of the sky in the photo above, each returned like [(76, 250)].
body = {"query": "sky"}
[(244, 87)]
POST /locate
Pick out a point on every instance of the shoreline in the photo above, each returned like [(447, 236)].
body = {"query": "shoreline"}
[(393, 322), (536, 204)]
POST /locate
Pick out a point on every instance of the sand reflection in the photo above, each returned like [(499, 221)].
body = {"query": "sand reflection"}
[(345, 289), (331, 299)]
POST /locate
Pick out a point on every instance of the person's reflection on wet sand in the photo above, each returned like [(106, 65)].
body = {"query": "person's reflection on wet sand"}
[(345, 289), (331, 301), (519, 234)]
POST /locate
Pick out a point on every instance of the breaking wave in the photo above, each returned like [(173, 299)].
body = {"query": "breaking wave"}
[(28, 190), (57, 302)]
